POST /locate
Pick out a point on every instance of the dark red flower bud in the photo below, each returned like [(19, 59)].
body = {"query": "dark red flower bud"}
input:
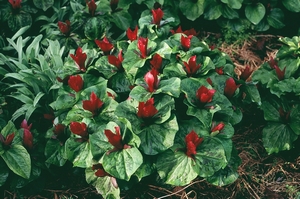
[(132, 34), (92, 7), (27, 139), (205, 95), (284, 115), (116, 61), (191, 67), (100, 172), (104, 45), (92, 105), (16, 4), (114, 139), (208, 80), (142, 46), (76, 82), (186, 42), (156, 62), (151, 79), (272, 63), (219, 70), (246, 73), (280, 73), (25, 125), (79, 59), (218, 127), (80, 129), (6, 142), (157, 16), (147, 110), (64, 27), (230, 87), (59, 129), (192, 141)]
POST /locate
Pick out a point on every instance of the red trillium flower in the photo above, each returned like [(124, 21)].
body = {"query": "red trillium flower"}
[(75, 82), (157, 16), (64, 27), (92, 105), (92, 7), (218, 127), (59, 129), (156, 62), (104, 45), (132, 34), (116, 61), (186, 32), (151, 79), (192, 141), (191, 67), (147, 110), (186, 42), (8, 140), (230, 87), (16, 4), (246, 73), (100, 172), (79, 59), (142, 46), (280, 73), (219, 70), (114, 139), (80, 129), (25, 125), (27, 139), (205, 95)]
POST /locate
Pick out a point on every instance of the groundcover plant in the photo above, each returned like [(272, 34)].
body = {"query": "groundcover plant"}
[(154, 100)]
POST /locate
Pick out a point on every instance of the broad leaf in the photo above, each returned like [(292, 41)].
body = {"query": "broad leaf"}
[(18, 160), (278, 137), (176, 168), (276, 18), (192, 10), (292, 5), (255, 12), (4, 172), (122, 164), (43, 4)]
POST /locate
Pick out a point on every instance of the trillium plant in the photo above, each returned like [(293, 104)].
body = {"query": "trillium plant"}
[(153, 102)]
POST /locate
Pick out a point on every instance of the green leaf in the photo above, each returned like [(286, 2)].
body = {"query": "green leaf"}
[(55, 153), (157, 138), (98, 140), (122, 164), (276, 18), (210, 157), (169, 86), (203, 115), (213, 11), (229, 174), (270, 112), (176, 168), (139, 93), (18, 160), (43, 4), (192, 10), (229, 13), (235, 4), (122, 19), (8, 129), (63, 101), (15, 22), (94, 28), (278, 137), (4, 172), (292, 5), (255, 12), (252, 93), (37, 98), (294, 122), (106, 186)]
